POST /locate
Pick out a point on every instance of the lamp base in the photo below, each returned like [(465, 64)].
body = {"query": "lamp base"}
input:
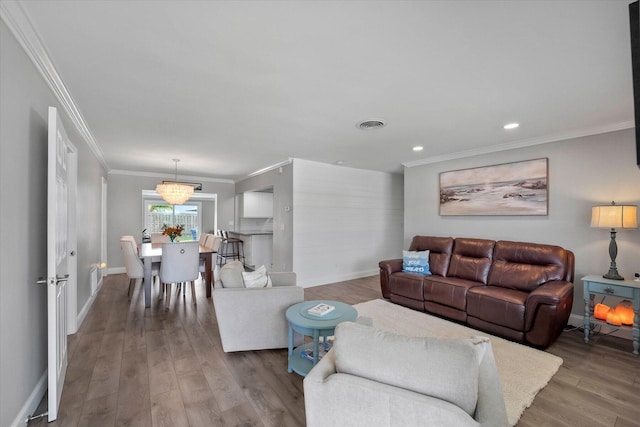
[(612, 274)]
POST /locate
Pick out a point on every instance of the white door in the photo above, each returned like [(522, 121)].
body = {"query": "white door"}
[(57, 262)]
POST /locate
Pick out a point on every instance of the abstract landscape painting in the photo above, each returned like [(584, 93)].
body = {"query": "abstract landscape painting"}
[(518, 188)]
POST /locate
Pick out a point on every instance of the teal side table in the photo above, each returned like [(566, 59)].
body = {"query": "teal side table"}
[(628, 289), (313, 326)]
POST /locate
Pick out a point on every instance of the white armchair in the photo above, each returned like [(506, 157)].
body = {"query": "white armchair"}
[(377, 378), (253, 318)]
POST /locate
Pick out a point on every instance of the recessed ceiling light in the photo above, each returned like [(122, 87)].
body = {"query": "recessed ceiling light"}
[(511, 125), (371, 124), (418, 148), (339, 162)]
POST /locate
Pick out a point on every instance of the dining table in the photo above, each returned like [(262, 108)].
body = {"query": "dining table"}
[(152, 252)]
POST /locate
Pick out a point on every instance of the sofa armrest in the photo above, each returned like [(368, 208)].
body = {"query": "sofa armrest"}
[(387, 268), (391, 265), (490, 409), (555, 293), (323, 369)]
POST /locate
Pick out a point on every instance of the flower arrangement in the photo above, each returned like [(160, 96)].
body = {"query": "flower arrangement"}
[(172, 232)]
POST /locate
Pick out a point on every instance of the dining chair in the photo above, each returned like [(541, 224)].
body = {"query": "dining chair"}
[(132, 263), (132, 240), (155, 266), (159, 238), (180, 262), (212, 242), (202, 238)]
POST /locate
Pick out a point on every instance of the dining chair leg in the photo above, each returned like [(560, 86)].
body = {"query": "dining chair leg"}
[(167, 300), (132, 283), (161, 290), (193, 291)]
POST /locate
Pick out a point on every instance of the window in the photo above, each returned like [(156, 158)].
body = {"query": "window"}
[(157, 213), (199, 213)]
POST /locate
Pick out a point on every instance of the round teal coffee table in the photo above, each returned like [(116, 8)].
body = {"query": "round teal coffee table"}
[(315, 326)]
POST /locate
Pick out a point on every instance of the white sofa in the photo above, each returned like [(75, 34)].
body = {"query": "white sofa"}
[(377, 378), (253, 318)]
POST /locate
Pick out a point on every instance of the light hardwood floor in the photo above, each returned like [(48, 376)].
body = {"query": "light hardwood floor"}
[(134, 367)]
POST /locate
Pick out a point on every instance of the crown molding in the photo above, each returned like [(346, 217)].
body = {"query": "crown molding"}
[(164, 175), (267, 169), (521, 144), (20, 25)]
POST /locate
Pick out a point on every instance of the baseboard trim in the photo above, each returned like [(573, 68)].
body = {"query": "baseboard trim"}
[(87, 306), (116, 270), (337, 278), (578, 321), (32, 402)]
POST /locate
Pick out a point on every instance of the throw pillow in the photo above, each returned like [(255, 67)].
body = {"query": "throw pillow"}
[(256, 279), (416, 262), (231, 275), (447, 369)]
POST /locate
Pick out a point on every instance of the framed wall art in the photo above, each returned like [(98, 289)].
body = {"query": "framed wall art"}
[(518, 188)]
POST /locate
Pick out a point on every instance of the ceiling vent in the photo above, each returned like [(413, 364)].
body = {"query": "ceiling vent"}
[(371, 124)]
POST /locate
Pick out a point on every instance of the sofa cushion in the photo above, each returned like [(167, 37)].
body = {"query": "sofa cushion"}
[(450, 291), (471, 259), (257, 278), (448, 368), (407, 285), (416, 262), (439, 252), (500, 306), (231, 275), (525, 266)]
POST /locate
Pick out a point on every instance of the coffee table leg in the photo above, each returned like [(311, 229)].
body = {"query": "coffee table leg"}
[(289, 368), (316, 339)]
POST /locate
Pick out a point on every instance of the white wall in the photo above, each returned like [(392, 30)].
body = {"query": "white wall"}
[(345, 221), (24, 103), (582, 172), (124, 215)]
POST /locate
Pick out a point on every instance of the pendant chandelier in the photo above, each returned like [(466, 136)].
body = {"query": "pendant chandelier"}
[(175, 193)]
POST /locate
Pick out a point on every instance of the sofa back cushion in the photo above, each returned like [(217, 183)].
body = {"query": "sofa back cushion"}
[(471, 259), (439, 252), (443, 368), (231, 275), (525, 266)]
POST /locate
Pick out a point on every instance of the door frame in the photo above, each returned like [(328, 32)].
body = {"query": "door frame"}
[(72, 239), (102, 268)]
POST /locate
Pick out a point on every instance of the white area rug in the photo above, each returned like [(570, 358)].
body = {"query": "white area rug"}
[(524, 371)]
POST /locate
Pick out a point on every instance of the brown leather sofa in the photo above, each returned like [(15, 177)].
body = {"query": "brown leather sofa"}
[(520, 291)]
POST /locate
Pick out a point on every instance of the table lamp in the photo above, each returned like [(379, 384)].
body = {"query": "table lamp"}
[(614, 216)]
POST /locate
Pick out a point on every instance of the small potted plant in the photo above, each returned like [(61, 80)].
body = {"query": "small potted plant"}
[(172, 232)]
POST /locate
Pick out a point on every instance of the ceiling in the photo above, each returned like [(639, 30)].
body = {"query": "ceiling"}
[(231, 87)]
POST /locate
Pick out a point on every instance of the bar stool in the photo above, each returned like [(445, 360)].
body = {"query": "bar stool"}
[(231, 248)]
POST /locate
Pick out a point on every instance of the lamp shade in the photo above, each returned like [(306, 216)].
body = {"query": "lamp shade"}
[(174, 193), (614, 216)]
